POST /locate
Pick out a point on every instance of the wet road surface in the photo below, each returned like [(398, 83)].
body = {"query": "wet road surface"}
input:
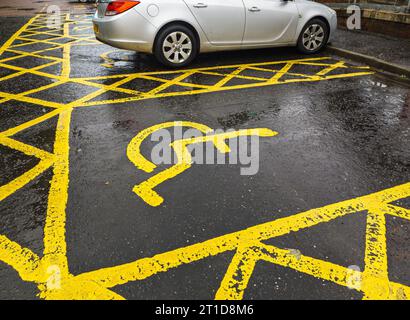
[(325, 217)]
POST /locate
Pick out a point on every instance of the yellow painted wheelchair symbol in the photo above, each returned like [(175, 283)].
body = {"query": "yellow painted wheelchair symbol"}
[(145, 189)]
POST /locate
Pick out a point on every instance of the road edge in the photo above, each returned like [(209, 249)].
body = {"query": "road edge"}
[(401, 72)]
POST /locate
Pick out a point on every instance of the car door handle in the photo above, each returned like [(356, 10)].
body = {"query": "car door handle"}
[(254, 9), (200, 5)]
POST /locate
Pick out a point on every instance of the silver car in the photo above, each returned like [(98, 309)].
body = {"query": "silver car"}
[(175, 31)]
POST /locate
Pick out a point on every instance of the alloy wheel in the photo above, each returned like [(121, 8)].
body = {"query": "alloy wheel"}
[(313, 37), (177, 47)]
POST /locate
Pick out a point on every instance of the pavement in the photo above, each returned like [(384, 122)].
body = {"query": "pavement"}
[(86, 213), (397, 7), (389, 49)]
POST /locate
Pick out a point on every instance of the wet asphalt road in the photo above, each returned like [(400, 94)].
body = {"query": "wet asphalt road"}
[(338, 139)]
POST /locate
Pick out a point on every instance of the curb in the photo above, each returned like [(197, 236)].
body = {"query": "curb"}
[(400, 71)]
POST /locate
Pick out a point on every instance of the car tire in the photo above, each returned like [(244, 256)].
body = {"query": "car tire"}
[(313, 37), (176, 46)]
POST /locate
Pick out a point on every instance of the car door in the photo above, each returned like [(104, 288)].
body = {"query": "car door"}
[(223, 21), (270, 21)]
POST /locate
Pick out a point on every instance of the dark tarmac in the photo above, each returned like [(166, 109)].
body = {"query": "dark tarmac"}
[(339, 138)]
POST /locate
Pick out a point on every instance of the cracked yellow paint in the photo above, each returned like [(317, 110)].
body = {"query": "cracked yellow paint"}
[(246, 244)]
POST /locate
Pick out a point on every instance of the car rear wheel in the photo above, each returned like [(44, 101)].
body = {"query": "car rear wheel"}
[(176, 46), (313, 37)]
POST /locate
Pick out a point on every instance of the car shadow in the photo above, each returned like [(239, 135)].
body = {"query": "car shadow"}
[(146, 62)]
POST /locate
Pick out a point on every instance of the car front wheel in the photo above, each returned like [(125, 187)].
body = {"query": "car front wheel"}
[(176, 46), (313, 37)]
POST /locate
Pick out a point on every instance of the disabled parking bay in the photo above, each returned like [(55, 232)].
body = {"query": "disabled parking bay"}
[(87, 214)]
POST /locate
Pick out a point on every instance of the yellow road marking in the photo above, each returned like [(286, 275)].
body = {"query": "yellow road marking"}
[(134, 147), (33, 70), (54, 230), (237, 276), (398, 211), (375, 276), (21, 54), (13, 38), (251, 238), (65, 73), (19, 182), (246, 243), (229, 77), (280, 73), (31, 123), (23, 260), (25, 148), (323, 72), (145, 189), (108, 62)]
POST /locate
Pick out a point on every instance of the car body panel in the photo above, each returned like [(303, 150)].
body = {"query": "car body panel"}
[(211, 16), (270, 21), (129, 30)]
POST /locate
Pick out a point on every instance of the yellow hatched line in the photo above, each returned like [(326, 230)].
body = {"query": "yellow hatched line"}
[(319, 64), (96, 93), (31, 100), (65, 73), (308, 76), (28, 42), (169, 83), (28, 124), (32, 71), (241, 269), (229, 77), (398, 211), (218, 89), (182, 84), (28, 176), (311, 266), (153, 73), (55, 46), (218, 86), (375, 276), (146, 267), (23, 54), (9, 42), (55, 251), (34, 29), (47, 33), (108, 87), (25, 148), (237, 276), (46, 160), (335, 66), (282, 71), (46, 41), (232, 76), (54, 230), (23, 260), (23, 96), (12, 75), (55, 36)]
